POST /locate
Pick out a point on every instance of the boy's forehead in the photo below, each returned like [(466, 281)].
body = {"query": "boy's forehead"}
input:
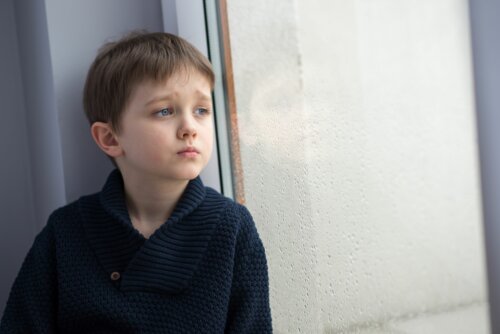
[(170, 86), (179, 77)]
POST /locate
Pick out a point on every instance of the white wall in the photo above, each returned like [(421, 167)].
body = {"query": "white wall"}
[(358, 146), (271, 119)]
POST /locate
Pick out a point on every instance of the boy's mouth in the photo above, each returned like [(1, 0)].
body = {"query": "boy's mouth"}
[(188, 152), (189, 149)]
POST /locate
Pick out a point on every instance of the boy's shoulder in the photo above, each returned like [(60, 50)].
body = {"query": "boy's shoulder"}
[(238, 216), (232, 209), (65, 211), (71, 211)]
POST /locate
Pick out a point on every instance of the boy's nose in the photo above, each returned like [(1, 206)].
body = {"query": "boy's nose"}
[(186, 128)]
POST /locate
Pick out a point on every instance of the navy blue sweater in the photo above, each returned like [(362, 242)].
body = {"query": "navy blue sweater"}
[(90, 271)]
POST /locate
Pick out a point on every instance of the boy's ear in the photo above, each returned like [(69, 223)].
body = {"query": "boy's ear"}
[(105, 138)]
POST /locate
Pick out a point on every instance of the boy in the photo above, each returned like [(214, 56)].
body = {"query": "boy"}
[(154, 251)]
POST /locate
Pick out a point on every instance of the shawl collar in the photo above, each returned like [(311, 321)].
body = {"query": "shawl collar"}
[(164, 263), (113, 199)]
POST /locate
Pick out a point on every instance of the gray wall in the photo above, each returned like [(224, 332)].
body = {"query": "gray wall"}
[(16, 204), (76, 30), (485, 26)]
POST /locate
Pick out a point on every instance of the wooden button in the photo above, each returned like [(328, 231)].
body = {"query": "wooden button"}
[(115, 276)]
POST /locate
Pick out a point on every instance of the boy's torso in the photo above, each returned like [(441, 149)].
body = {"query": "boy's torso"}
[(183, 271)]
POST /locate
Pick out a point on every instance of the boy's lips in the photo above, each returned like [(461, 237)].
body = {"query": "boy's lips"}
[(188, 149), (188, 152)]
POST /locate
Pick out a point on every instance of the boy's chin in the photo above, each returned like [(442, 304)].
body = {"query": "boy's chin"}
[(185, 176)]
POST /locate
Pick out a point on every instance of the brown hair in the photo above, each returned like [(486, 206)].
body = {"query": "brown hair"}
[(121, 65)]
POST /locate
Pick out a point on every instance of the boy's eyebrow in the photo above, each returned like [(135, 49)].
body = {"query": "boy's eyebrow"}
[(159, 98), (202, 96)]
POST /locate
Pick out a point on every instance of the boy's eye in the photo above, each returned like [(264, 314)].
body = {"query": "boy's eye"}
[(165, 112), (202, 111)]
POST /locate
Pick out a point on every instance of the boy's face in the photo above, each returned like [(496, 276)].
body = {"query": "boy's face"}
[(167, 128)]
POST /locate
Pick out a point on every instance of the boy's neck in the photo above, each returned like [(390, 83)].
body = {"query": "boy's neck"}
[(150, 202)]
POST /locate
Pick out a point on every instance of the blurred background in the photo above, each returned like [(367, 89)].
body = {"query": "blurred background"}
[(359, 149), (360, 156)]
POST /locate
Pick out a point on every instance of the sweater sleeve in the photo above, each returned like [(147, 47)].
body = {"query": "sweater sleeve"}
[(32, 303), (249, 309)]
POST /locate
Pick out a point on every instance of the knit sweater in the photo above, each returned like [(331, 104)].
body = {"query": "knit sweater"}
[(90, 271)]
